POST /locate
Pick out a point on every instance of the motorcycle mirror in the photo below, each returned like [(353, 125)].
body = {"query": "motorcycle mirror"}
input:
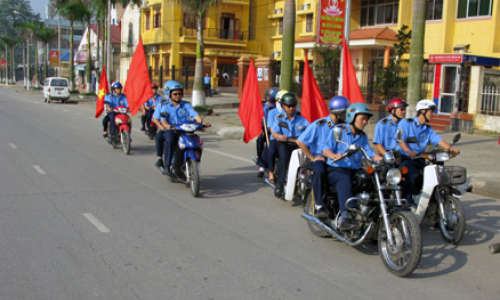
[(399, 136), (283, 124), (456, 138), (337, 134), (411, 140), (165, 115)]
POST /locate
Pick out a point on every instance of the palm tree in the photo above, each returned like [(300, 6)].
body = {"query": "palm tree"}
[(37, 28), (416, 54), (46, 36), (288, 45), (26, 30), (199, 8), (73, 11)]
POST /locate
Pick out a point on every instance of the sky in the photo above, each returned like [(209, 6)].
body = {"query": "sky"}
[(38, 6)]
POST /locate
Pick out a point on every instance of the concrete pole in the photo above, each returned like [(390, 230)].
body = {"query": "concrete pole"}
[(59, 45), (347, 31), (6, 66), (109, 67)]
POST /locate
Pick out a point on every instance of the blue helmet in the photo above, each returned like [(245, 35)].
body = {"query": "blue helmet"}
[(170, 86), (270, 93), (116, 85), (355, 109), (338, 104)]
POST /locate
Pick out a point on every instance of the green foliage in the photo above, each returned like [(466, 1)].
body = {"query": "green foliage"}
[(404, 39), (328, 53)]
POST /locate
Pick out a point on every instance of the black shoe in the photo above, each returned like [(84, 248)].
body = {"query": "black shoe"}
[(261, 172), (159, 163), (104, 135), (143, 129), (166, 171), (347, 224), (320, 213), (278, 191)]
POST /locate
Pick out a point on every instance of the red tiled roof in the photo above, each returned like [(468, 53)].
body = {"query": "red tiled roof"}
[(116, 33), (383, 33)]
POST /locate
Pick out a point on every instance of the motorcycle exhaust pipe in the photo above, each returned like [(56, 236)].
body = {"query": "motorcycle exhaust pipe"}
[(334, 233)]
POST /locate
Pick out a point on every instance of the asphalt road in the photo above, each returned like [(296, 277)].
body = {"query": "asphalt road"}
[(79, 220)]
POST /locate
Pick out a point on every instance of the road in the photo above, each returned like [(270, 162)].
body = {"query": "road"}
[(80, 220)]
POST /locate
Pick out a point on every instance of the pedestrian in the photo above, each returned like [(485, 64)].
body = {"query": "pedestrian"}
[(206, 80)]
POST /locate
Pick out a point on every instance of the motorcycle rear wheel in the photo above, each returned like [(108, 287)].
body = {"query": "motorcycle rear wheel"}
[(309, 208), (402, 258), (453, 231), (125, 140), (194, 173)]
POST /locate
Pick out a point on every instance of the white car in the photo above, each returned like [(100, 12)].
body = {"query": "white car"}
[(56, 88)]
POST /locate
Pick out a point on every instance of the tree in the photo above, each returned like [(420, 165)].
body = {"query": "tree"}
[(199, 8), (288, 46), (416, 55), (46, 36)]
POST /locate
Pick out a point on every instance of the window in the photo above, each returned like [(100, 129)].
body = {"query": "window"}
[(147, 20), (130, 33), (190, 20), (474, 8), (378, 12), (280, 29), (435, 10), (157, 18), (309, 23)]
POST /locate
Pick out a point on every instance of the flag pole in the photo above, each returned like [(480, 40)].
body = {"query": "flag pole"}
[(265, 130), (347, 31)]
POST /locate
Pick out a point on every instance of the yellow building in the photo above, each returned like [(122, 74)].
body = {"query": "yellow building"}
[(230, 30)]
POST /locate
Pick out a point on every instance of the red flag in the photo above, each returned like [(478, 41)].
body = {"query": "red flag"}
[(313, 105), (350, 87), (103, 90), (251, 111), (138, 85)]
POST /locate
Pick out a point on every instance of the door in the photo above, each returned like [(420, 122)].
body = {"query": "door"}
[(449, 85)]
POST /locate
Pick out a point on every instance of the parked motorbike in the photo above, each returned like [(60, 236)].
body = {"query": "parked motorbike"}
[(186, 160), (377, 207), (438, 198), (121, 134)]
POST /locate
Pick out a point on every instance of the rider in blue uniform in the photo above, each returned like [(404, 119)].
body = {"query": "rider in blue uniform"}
[(270, 96), (311, 143), (340, 171), (418, 128), (271, 150), (112, 101), (385, 131), (149, 108), (287, 127), (179, 112)]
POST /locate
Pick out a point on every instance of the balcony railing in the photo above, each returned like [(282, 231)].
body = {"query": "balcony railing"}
[(219, 33)]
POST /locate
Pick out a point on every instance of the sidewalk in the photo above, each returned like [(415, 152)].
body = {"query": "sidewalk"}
[(479, 153)]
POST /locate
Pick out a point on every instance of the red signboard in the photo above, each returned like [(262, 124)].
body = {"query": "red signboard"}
[(3, 63), (54, 58), (445, 58), (330, 22)]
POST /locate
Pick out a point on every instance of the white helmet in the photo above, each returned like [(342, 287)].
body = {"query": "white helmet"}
[(426, 104)]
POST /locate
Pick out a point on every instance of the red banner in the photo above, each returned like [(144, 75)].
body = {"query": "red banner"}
[(330, 22), (3, 63), (445, 58), (54, 58)]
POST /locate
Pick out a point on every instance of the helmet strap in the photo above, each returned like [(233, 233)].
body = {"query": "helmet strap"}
[(356, 129), (393, 114)]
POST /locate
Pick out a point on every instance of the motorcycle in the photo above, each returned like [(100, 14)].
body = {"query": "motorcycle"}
[(121, 134), (379, 210), (186, 160), (438, 198), (152, 130)]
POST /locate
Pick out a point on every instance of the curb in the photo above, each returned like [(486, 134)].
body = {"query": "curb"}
[(485, 188)]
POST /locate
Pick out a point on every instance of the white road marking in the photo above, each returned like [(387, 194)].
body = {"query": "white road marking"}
[(229, 155), (101, 227), (13, 146), (485, 228), (39, 170)]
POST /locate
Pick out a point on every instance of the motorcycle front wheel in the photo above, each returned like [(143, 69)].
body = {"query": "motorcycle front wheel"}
[(309, 208), (453, 229), (402, 258), (125, 139), (194, 174)]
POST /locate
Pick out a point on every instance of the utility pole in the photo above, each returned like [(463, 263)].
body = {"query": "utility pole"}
[(108, 58), (347, 31), (59, 45)]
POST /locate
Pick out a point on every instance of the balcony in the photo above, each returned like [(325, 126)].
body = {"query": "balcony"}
[(216, 33)]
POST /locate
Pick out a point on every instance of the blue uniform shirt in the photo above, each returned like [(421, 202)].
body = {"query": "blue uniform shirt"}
[(353, 162), (271, 116), (424, 134), (154, 101), (385, 133), (267, 107), (296, 126), (182, 113), (316, 134), (115, 100)]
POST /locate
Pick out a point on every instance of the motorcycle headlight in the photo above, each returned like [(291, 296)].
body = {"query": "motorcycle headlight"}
[(442, 156), (393, 176), (122, 110)]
